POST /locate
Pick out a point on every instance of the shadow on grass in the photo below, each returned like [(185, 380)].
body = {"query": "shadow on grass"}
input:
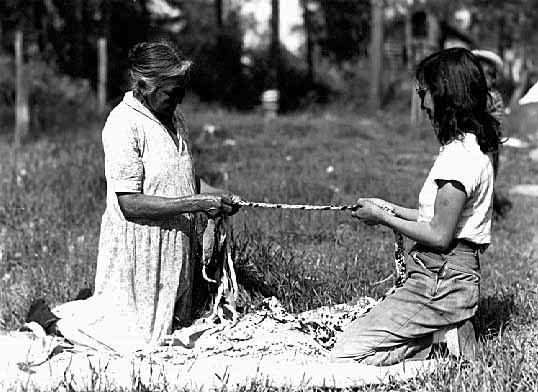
[(494, 313)]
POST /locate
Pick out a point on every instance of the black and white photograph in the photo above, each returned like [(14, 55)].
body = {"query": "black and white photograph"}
[(268, 195)]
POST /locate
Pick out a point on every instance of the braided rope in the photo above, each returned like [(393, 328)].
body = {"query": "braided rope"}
[(309, 207), (399, 250)]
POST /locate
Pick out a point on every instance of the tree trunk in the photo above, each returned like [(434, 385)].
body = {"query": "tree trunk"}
[(77, 53), (218, 15), (220, 26), (22, 112), (105, 19), (433, 33), (433, 41), (309, 43), (275, 45), (410, 55), (376, 54), (500, 38)]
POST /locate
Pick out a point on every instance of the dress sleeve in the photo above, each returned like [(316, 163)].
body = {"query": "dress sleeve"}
[(455, 164), (124, 169)]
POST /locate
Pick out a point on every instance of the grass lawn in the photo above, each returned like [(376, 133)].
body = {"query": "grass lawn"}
[(53, 190)]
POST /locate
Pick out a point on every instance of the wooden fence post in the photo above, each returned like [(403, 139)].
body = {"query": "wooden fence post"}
[(102, 74), (22, 112)]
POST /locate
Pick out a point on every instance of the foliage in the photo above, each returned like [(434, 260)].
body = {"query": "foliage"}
[(64, 33), (56, 100), (219, 73), (519, 18), (296, 91), (347, 25)]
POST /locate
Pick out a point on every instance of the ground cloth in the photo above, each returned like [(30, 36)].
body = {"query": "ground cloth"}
[(269, 345)]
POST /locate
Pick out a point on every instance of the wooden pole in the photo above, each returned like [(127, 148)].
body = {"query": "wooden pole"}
[(102, 74), (376, 53), (22, 112)]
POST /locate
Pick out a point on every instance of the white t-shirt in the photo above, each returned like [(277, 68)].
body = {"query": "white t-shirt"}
[(462, 161)]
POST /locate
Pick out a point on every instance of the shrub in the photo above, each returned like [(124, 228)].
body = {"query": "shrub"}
[(56, 101)]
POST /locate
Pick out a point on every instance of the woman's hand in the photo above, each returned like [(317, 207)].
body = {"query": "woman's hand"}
[(372, 211), (205, 188), (214, 204), (138, 205), (383, 204), (235, 200)]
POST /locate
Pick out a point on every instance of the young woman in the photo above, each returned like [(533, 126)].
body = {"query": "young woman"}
[(451, 225), (492, 66)]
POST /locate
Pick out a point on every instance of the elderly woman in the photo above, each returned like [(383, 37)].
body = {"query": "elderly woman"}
[(145, 262)]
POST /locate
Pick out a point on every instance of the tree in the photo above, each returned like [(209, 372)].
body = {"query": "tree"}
[(275, 46), (64, 33), (307, 18), (208, 31), (376, 54), (346, 28)]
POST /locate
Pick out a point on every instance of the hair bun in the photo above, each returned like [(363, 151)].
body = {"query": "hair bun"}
[(133, 53)]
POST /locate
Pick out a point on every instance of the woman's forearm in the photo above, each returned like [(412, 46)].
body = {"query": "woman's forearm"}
[(137, 205), (440, 231), (410, 214), (423, 232)]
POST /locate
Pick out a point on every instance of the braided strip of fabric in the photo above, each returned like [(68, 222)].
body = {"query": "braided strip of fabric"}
[(399, 259), (297, 206)]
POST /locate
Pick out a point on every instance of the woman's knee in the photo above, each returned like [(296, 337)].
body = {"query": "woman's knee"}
[(351, 348), (340, 354)]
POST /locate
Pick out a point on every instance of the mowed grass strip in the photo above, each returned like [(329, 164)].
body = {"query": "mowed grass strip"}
[(53, 190)]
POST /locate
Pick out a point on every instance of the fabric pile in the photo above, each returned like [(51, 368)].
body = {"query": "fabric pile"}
[(270, 331)]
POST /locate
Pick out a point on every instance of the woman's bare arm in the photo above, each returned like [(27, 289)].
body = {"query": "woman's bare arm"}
[(405, 213), (410, 214), (138, 205), (439, 232)]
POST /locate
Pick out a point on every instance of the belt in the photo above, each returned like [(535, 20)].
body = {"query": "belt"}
[(469, 244), (458, 243), (437, 264)]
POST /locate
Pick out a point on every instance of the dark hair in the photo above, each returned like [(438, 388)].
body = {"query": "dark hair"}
[(151, 63), (459, 92)]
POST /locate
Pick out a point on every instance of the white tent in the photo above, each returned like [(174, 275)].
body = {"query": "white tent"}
[(531, 96)]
